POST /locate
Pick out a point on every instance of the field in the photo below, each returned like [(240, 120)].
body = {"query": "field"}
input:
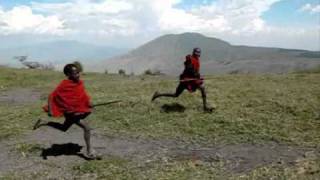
[(264, 127)]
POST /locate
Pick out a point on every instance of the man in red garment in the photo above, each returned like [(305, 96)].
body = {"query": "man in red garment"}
[(70, 100), (190, 79)]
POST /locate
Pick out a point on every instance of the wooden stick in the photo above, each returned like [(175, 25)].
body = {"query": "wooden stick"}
[(190, 79), (106, 103)]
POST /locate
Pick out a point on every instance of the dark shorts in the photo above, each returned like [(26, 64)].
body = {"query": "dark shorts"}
[(72, 118), (191, 86)]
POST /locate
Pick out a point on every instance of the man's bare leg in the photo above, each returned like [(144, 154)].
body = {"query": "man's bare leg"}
[(179, 90), (206, 107), (87, 135), (62, 127)]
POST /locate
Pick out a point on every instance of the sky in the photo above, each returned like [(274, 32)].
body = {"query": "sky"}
[(293, 24)]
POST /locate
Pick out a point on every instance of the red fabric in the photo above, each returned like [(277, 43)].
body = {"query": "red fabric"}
[(190, 81), (195, 63), (68, 97), (193, 84)]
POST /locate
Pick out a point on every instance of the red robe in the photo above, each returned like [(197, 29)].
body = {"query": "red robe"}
[(68, 97), (195, 63), (191, 77)]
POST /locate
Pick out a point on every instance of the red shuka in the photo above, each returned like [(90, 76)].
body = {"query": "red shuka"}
[(68, 97), (192, 85), (195, 63)]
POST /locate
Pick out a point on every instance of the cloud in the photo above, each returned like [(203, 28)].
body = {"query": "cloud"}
[(283, 37), (310, 8), (21, 19), (134, 17), (112, 21), (105, 18), (240, 22), (241, 16), (83, 7)]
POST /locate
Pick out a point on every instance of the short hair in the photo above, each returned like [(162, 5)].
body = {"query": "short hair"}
[(67, 68), (196, 49)]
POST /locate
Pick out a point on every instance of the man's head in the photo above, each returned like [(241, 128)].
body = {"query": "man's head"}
[(196, 52), (71, 71)]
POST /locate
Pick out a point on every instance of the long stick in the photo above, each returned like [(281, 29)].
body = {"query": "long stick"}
[(190, 79), (106, 103)]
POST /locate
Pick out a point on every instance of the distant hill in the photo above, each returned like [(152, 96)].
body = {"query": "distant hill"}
[(59, 52), (167, 53)]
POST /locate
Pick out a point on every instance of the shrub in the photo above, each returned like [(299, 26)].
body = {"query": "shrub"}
[(79, 66), (154, 72), (122, 72), (148, 72)]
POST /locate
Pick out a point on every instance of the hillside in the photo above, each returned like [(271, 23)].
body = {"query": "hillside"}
[(264, 127), (167, 53)]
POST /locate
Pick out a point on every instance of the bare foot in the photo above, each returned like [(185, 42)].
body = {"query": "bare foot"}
[(94, 156), (208, 109)]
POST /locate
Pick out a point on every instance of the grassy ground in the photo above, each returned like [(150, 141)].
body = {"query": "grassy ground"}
[(250, 109)]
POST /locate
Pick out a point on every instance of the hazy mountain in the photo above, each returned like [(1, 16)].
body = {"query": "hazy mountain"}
[(58, 52), (167, 54)]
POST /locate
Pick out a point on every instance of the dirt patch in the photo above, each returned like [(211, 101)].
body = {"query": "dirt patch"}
[(20, 96), (6, 160), (239, 158), (61, 149)]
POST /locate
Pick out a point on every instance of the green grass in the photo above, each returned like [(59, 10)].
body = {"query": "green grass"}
[(17, 119), (250, 108), (122, 169)]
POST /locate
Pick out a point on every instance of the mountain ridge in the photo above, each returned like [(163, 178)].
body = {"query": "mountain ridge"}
[(166, 53)]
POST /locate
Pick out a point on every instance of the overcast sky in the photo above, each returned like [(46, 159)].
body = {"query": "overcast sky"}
[(129, 23)]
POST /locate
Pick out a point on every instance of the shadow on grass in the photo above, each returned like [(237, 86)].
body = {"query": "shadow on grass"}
[(174, 107), (69, 149)]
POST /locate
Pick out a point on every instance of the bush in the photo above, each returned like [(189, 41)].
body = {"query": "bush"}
[(150, 72), (122, 72), (78, 65)]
